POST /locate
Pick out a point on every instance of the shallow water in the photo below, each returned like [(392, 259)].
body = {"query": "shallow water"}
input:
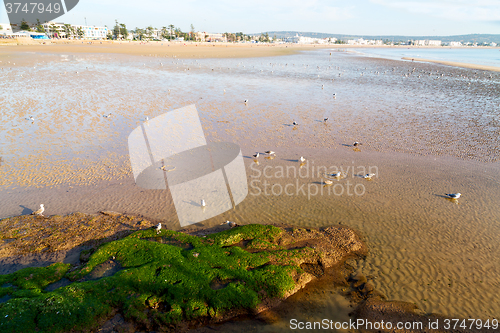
[(425, 132), (471, 55)]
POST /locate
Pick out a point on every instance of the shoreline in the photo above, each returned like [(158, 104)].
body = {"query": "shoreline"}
[(193, 50), (456, 64)]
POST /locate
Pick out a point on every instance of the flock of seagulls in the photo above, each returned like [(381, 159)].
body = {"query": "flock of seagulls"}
[(338, 175), (368, 176)]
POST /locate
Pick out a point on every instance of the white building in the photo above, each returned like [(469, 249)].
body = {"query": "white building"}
[(54, 30), (92, 32), (434, 43), (5, 28), (307, 40), (361, 41), (456, 44), (58, 30)]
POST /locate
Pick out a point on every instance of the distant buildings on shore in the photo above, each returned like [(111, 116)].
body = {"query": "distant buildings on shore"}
[(55, 30), (70, 31)]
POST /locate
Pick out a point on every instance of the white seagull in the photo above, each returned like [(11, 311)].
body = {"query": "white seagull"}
[(203, 203), (295, 123), (368, 176), (453, 195), (39, 211), (335, 175), (158, 228), (328, 182), (256, 155), (270, 152), (334, 95), (355, 144), (302, 159), (231, 224), (246, 101), (107, 116), (325, 119)]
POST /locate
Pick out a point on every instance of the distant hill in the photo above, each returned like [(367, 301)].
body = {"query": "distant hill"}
[(472, 38)]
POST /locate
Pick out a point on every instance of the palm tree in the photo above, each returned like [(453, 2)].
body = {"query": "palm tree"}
[(149, 31), (163, 32), (52, 30), (80, 32), (67, 29), (171, 27)]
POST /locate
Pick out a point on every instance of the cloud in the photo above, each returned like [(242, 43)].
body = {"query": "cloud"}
[(457, 10)]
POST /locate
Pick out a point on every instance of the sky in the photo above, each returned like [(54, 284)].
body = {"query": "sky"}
[(355, 17)]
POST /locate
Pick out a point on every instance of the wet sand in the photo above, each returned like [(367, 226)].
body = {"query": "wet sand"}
[(427, 134)]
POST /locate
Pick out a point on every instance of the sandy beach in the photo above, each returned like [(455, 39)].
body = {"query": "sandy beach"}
[(429, 129), (193, 50), (165, 49)]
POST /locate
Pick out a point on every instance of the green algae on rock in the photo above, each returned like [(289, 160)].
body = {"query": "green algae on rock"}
[(172, 278)]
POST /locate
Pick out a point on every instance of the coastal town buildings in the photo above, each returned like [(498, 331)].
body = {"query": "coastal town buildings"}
[(61, 30), (56, 30), (361, 41), (308, 40)]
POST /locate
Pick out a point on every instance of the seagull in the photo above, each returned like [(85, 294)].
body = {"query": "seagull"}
[(302, 159), (368, 176), (295, 123), (325, 120), (256, 155), (231, 224), (107, 116), (335, 175), (158, 228), (203, 203), (147, 118), (270, 152), (355, 144), (246, 101), (31, 118), (454, 195), (334, 96), (39, 211), (328, 182)]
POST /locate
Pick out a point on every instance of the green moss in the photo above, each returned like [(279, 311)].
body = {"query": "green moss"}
[(166, 278)]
